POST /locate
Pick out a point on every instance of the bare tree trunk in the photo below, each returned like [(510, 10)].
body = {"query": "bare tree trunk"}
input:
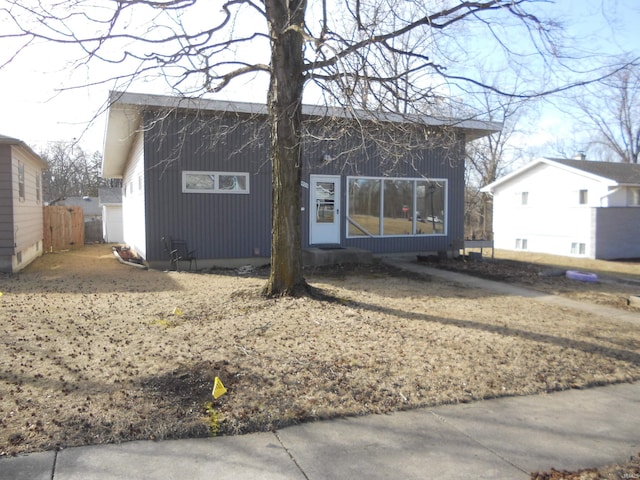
[(286, 23)]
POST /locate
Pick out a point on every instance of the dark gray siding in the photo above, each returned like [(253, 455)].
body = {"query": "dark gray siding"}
[(443, 162), (6, 209), (617, 233), (215, 225), (239, 226)]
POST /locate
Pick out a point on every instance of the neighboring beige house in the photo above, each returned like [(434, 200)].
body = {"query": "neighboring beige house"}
[(569, 207), (21, 204)]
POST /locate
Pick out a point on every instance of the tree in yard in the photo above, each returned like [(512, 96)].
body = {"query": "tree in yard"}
[(491, 157), (610, 111), (339, 51), (71, 173)]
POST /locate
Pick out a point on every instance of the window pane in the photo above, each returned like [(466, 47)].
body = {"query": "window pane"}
[(325, 200), (430, 207), (398, 203), (199, 181), (364, 207), (233, 182), (584, 197), (21, 181)]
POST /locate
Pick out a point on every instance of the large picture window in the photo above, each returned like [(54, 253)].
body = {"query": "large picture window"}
[(381, 207), (215, 182)]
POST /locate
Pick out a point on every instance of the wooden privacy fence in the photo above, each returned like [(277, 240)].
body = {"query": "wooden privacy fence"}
[(63, 228)]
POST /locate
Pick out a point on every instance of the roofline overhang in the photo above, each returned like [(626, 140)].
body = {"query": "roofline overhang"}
[(124, 120), (15, 142), (604, 180)]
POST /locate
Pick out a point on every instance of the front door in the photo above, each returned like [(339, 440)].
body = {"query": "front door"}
[(324, 210)]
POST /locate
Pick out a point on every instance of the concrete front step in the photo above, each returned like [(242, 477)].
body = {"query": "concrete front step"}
[(316, 257)]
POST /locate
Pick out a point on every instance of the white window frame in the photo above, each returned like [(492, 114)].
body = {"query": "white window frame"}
[(578, 248), (216, 182), (522, 244), (583, 196), (21, 182), (524, 198)]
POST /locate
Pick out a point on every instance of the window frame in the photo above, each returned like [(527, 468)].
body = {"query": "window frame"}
[(444, 182), (216, 182), (583, 196), (38, 186), (21, 182)]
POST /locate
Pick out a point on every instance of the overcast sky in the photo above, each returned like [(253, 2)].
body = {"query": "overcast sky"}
[(33, 109)]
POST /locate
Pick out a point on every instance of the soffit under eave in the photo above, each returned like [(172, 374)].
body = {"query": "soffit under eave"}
[(123, 124)]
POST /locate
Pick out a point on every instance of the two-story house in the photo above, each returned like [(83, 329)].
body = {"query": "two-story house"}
[(569, 207)]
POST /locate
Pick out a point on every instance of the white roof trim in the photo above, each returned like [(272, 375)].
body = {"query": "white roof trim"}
[(124, 120), (502, 180)]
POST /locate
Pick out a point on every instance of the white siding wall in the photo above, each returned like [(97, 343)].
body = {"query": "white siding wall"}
[(553, 218), (133, 199), (28, 213)]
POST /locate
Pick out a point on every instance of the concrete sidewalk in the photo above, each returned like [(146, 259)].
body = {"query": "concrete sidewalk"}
[(506, 438)]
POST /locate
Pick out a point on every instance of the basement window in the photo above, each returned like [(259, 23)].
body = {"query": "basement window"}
[(578, 248), (215, 182)]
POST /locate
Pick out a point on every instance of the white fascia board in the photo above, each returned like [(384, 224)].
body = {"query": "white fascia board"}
[(492, 186)]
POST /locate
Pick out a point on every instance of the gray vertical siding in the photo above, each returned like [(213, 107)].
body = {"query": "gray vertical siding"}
[(6, 209), (617, 233), (236, 225), (433, 163), (215, 225)]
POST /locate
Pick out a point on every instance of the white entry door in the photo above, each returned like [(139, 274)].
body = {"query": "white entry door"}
[(324, 210)]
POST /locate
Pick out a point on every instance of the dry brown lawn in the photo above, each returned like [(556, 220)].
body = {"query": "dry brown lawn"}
[(93, 351)]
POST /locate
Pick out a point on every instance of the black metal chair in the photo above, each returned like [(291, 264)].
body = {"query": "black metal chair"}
[(178, 251), (171, 252)]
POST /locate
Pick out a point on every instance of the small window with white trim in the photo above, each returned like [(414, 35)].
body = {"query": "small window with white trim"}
[(583, 197), (524, 198), (521, 243), (215, 182), (578, 248)]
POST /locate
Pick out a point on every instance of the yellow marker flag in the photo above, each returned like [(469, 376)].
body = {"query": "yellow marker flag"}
[(218, 388), (177, 312)]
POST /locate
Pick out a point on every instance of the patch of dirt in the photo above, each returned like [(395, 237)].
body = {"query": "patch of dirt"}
[(627, 471), (94, 351)]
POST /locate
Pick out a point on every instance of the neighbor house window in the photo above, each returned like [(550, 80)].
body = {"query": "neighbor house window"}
[(578, 248), (634, 197), (38, 187), (524, 198), (21, 181), (384, 207), (521, 243), (215, 182), (583, 197)]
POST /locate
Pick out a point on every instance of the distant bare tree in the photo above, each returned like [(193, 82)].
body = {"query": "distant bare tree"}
[(71, 172), (491, 157), (611, 112)]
